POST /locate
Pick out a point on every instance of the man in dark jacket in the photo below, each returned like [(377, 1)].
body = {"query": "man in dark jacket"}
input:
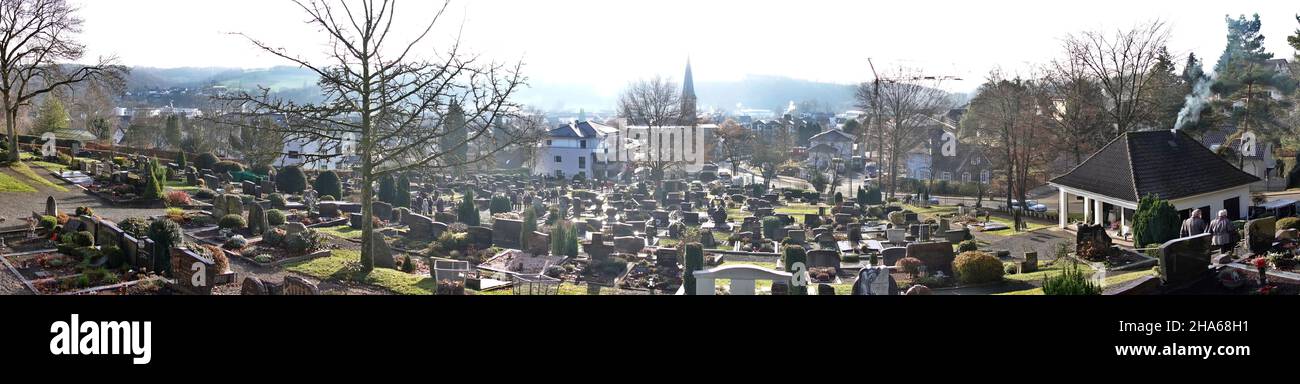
[(1193, 226)]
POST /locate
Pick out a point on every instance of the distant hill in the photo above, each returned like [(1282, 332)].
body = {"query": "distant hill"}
[(763, 92), (277, 78)]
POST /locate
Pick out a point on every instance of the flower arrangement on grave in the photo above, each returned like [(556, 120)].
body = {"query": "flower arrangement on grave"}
[(1261, 265)]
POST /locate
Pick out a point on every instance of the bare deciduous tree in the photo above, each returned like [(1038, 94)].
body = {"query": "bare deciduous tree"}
[(654, 103), (37, 43), (735, 144), (1007, 116), (382, 98), (905, 109), (1122, 63), (1076, 108)]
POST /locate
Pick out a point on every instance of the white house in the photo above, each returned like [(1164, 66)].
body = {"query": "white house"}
[(688, 146), (1168, 164), (313, 155), (830, 145), (573, 149)]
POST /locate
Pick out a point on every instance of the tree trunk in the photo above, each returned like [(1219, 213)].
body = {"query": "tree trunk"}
[(11, 126)]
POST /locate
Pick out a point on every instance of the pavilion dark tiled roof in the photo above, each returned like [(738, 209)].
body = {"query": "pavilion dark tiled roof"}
[(1167, 164)]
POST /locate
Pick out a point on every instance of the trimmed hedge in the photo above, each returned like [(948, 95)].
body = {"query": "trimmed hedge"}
[(977, 268)]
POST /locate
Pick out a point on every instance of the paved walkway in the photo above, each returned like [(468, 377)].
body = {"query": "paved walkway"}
[(16, 206), (1043, 241)]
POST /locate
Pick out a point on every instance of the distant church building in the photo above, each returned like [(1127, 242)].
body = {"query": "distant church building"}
[(599, 151)]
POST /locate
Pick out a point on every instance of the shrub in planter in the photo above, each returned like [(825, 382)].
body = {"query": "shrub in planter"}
[(555, 271), (134, 226), (205, 161), (1071, 282), (898, 218), (968, 246), (499, 204), (274, 237), (227, 166), (302, 242), (977, 268), (236, 242), (277, 201), (81, 239), (1288, 223), (178, 199), (770, 225), (85, 211), (275, 217), (264, 259), (910, 265), (795, 254), (291, 179), (232, 222), (407, 265), (49, 222), (205, 193)]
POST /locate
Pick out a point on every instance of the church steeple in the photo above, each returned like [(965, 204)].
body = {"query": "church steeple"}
[(689, 101)]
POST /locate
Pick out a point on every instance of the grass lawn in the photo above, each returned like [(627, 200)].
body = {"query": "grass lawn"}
[(31, 174), (932, 210), (343, 232), (55, 167), (179, 185), (798, 210), (1039, 276), (11, 184), (344, 266)]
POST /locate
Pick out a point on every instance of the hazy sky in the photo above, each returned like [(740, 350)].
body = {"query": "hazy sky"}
[(608, 43)]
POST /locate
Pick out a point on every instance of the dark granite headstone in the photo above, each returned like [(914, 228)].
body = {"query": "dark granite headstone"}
[(1185, 260)]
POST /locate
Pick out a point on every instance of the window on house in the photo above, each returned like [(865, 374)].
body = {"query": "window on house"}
[(946, 176), (975, 160), (583, 144), (965, 177), (549, 143), (559, 159), (985, 176), (582, 163)]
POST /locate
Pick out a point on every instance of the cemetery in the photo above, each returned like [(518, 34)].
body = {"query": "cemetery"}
[(503, 233)]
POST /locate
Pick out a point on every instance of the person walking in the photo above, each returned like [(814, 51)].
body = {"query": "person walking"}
[(1222, 228), (1193, 226)]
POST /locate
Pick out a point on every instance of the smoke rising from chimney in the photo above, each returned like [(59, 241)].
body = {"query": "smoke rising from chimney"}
[(1196, 102)]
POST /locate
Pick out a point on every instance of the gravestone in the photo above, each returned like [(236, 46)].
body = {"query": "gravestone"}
[(445, 217), (797, 235), (1260, 234), (875, 281), (539, 244), (211, 182), (824, 258), (294, 228), (936, 256), (420, 227), (193, 274), (257, 220), (382, 252), (507, 233), (629, 244), (191, 177), (250, 188), (330, 209), (481, 237), (356, 221), (297, 286), (1185, 260), (1030, 265), (438, 228), (253, 286), (707, 240), (51, 206), (382, 210), (891, 256)]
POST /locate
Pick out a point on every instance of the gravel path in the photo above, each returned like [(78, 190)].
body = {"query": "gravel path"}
[(14, 207)]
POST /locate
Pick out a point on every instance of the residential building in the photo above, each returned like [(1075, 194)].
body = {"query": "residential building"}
[(578, 148)]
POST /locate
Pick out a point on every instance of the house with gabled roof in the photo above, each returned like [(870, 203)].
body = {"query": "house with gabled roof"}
[(1168, 164)]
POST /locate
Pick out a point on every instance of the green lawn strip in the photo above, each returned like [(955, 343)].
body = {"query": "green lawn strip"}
[(53, 167), (12, 184), (1109, 281), (27, 172), (343, 232), (344, 266)]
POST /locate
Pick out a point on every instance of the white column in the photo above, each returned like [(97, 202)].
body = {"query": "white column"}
[(1063, 209), (1100, 213), (1087, 210)]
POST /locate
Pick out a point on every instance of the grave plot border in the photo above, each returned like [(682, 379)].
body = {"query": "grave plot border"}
[(254, 241), (32, 287)]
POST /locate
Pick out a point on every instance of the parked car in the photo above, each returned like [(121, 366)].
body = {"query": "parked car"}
[(1034, 206)]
